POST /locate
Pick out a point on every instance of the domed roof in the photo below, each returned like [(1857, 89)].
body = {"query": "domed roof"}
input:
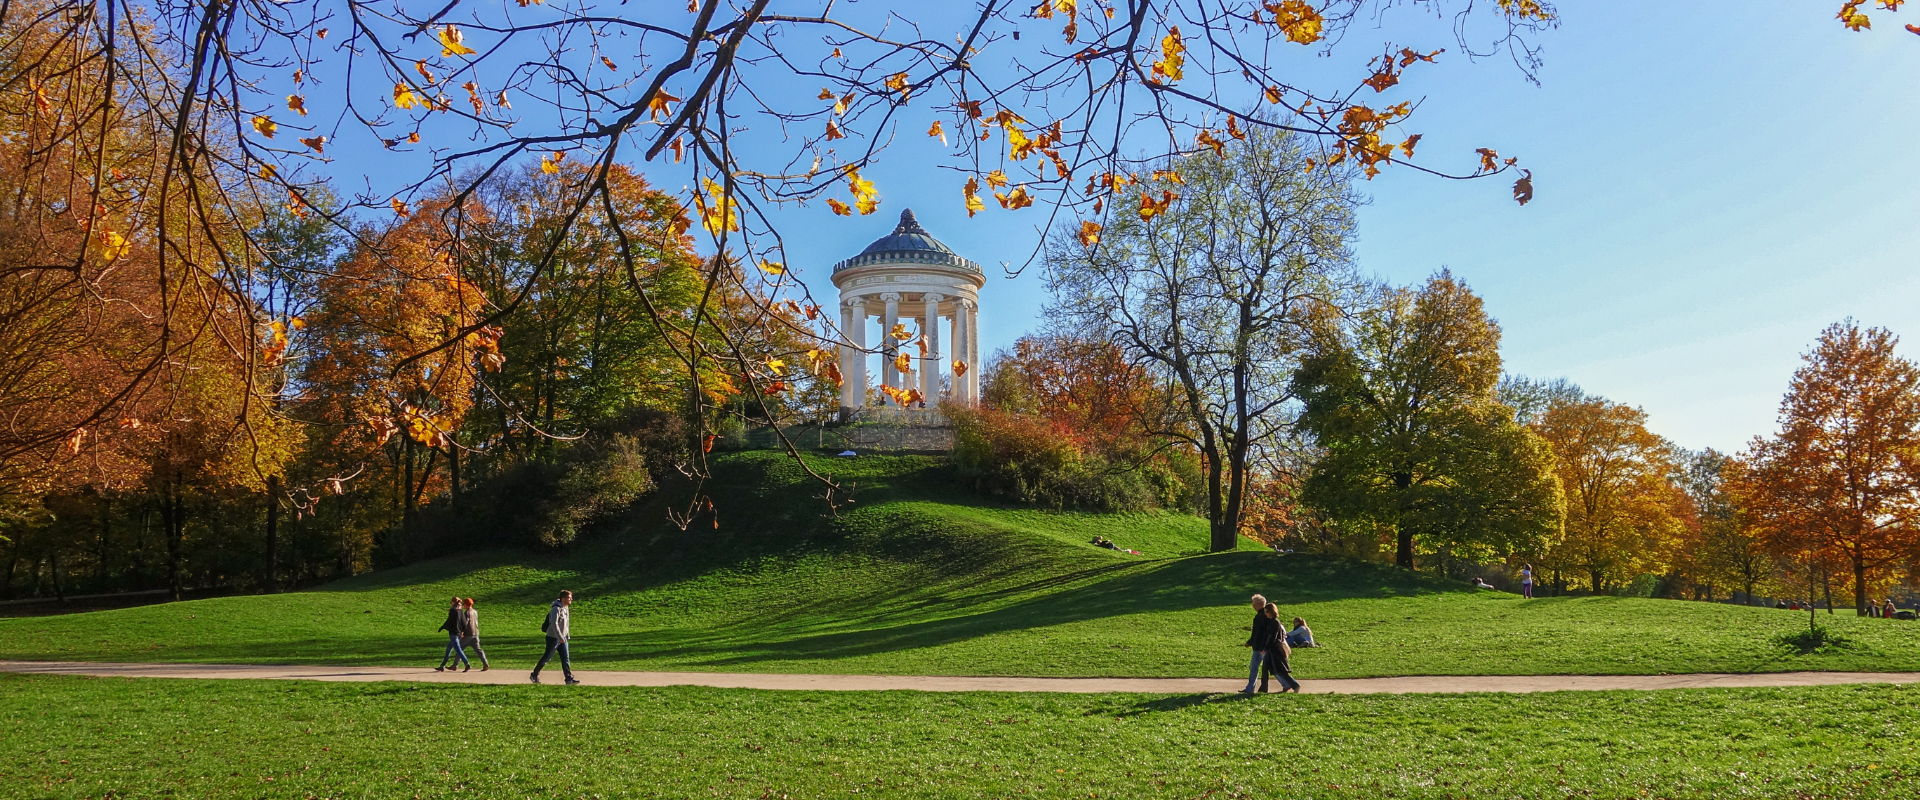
[(907, 237)]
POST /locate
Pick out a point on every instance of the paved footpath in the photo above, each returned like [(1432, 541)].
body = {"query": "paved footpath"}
[(738, 680)]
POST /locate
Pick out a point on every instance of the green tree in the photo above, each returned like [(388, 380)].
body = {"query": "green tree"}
[(1214, 291), (1400, 400)]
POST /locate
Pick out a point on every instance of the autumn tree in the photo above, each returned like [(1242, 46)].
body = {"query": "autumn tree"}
[(1842, 474), (1624, 514), (1214, 292), (1399, 399)]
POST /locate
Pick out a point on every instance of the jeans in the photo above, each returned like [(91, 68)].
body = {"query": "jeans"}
[(1253, 669), (566, 659), (1526, 590), (1276, 664), (454, 650)]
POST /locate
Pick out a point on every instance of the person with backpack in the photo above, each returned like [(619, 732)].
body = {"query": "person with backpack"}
[(456, 628), (473, 633), (558, 628)]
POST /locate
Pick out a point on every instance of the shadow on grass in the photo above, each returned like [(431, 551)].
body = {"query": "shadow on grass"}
[(1180, 702)]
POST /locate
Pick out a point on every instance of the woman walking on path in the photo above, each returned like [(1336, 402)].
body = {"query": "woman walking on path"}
[(1526, 581), (473, 633), (456, 628), (1264, 629), (1278, 654)]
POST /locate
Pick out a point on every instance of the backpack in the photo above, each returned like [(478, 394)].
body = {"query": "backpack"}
[(546, 622)]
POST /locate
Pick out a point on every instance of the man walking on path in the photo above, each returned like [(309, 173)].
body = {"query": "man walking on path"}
[(558, 629)]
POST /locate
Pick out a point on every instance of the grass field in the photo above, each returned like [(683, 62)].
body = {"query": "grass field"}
[(85, 737), (921, 577)]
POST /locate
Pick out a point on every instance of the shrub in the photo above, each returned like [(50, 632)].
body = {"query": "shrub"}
[(1023, 459), (1813, 640)]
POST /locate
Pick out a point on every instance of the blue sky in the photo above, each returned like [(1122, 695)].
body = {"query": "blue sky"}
[(1714, 184), (1713, 188)]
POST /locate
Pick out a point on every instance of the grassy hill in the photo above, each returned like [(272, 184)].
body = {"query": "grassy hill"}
[(921, 577)]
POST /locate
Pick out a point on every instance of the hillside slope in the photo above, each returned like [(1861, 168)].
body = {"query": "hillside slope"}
[(920, 577)]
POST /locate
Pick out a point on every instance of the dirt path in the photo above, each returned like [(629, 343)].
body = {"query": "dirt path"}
[(734, 680)]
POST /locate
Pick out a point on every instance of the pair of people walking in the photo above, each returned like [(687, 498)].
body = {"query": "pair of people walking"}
[(463, 631), (1271, 653)]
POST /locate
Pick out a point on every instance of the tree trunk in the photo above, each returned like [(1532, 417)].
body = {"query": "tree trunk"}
[(13, 560), (53, 571), (273, 533), (1859, 585), (1403, 535), (173, 517)]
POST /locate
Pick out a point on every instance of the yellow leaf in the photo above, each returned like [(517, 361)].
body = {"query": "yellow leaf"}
[(1172, 56), (937, 131), (972, 192), (716, 208), (773, 267), (898, 82), (903, 362), (113, 246), (996, 179), (1272, 93), (550, 163), (777, 366), (297, 323), (865, 196), (1014, 200), (404, 97), (266, 126), (1298, 20), (959, 368), (450, 44), (900, 332)]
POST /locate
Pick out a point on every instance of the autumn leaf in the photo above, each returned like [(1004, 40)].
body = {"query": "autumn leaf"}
[(657, 107), (903, 362), (1489, 160), (1914, 29), (450, 44), (1089, 233), (1523, 188), (400, 208), (297, 103), (959, 368), (833, 131), (1272, 93), (404, 97), (1014, 200), (898, 82), (839, 207), (865, 197), (1150, 207), (997, 179), (297, 323), (773, 267), (1207, 139), (1172, 56), (774, 388), (1298, 20), (937, 132), (266, 126), (1233, 128), (716, 208), (318, 143), (777, 366), (113, 246), (900, 332), (972, 193), (550, 163), (75, 439), (608, 62), (1407, 146)]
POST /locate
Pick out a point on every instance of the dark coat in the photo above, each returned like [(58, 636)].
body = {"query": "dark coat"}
[(1264, 632), (456, 622)]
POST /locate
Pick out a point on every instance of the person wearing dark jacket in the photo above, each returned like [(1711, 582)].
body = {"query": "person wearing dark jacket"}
[(456, 628), (1264, 629), (1277, 655)]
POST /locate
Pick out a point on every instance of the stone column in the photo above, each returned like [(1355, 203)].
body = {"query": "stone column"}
[(889, 345), (850, 395), (972, 349), (960, 351), (854, 372), (930, 366)]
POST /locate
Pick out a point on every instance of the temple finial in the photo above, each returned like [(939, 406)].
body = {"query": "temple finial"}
[(908, 224)]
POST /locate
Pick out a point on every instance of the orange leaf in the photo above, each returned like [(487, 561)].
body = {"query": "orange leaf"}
[(297, 103), (609, 64), (839, 207), (318, 143), (936, 131), (903, 362), (833, 131), (400, 208), (959, 368), (1089, 233), (657, 107)]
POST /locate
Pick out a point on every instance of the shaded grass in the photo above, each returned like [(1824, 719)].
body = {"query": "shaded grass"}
[(920, 577), (89, 737)]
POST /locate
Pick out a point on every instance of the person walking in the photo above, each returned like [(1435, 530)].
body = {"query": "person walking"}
[(1526, 581), (559, 629), (1278, 655), (473, 633), (1264, 629), (456, 628)]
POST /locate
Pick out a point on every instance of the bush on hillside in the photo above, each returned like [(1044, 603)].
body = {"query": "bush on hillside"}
[(1025, 460)]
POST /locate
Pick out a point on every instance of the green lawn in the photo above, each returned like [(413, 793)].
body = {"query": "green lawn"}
[(85, 737), (921, 577)]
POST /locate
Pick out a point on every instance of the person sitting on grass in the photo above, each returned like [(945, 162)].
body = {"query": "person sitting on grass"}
[(1301, 635), (1481, 584), (1889, 609)]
